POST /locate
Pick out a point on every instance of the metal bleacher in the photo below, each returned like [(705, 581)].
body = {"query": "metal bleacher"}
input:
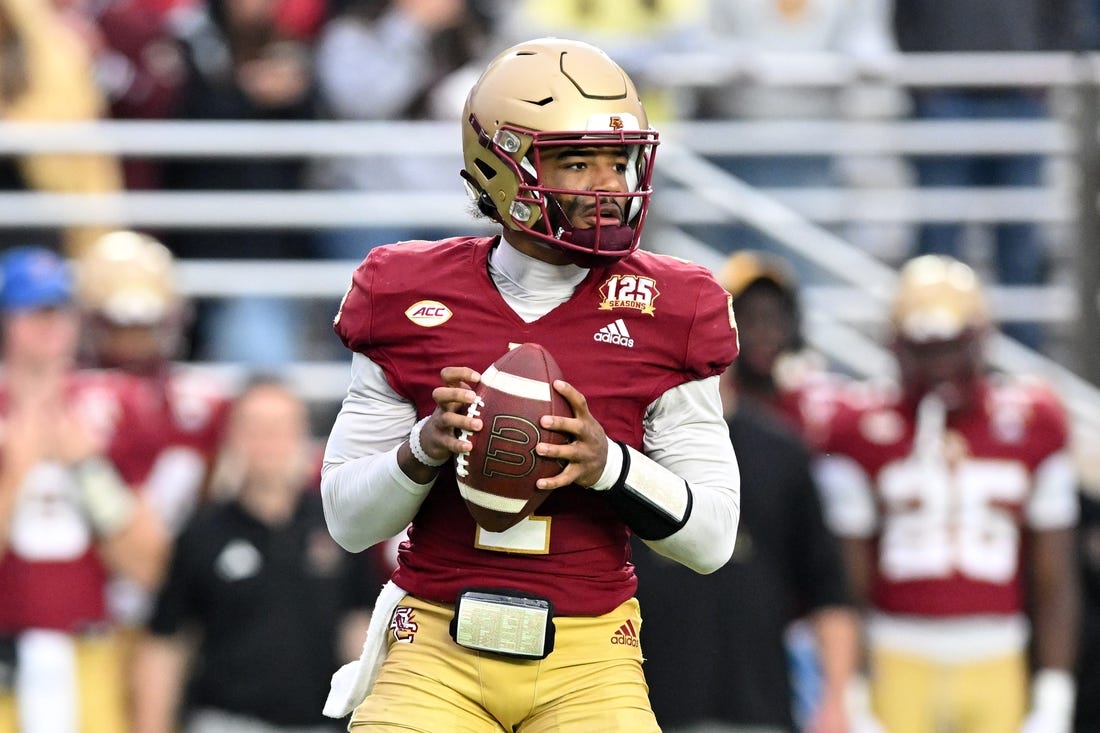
[(843, 314)]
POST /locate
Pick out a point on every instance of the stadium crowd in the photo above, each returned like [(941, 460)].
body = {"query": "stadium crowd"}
[(164, 563)]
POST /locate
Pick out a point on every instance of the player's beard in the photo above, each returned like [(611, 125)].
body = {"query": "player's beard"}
[(614, 240)]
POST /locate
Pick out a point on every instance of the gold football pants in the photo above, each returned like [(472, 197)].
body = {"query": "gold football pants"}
[(592, 681), (911, 694)]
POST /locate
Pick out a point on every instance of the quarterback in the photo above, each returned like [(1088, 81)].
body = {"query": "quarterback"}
[(557, 150), (957, 498)]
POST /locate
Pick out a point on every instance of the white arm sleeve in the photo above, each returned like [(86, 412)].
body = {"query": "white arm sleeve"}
[(686, 433), (367, 497), (1053, 504), (848, 500)]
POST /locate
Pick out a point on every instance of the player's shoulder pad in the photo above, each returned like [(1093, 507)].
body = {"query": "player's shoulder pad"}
[(394, 268), (1031, 396)]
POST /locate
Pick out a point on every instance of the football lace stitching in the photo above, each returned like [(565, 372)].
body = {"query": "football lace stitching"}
[(462, 460)]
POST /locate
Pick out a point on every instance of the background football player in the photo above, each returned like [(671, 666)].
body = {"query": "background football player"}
[(957, 495), (134, 321)]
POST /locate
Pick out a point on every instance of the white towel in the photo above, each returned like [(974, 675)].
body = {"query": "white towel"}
[(353, 682), (45, 682)]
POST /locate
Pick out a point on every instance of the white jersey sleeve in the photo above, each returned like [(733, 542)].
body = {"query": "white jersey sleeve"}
[(686, 433), (367, 497)]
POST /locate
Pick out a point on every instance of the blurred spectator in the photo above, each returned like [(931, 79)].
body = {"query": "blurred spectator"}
[(1087, 714), (137, 64), (955, 493), (67, 518), (634, 32), (274, 601), (800, 35), (775, 368), (1019, 253), (777, 378), (46, 76), (714, 645), (242, 67), (395, 60), (134, 319)]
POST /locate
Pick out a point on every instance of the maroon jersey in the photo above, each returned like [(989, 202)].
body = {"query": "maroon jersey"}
[(183, 418), (948, 527), (629, 333), (50, 574), (807, 402)]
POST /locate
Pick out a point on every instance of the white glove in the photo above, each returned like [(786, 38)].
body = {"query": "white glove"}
[(1053, 693), (861, 718), (108, 502)]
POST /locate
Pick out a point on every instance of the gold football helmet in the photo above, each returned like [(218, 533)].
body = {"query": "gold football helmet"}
[(938, 298), (546, 93), (127, 278), (745, 267)]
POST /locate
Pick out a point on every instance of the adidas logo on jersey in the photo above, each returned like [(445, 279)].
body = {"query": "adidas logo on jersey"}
[(626, 635), (614, 333)]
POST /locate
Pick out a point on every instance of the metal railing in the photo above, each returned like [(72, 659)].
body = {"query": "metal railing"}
[(843, 317)]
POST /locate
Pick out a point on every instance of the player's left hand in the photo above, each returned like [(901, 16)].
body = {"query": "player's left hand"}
[(440, 435), (586, 454)]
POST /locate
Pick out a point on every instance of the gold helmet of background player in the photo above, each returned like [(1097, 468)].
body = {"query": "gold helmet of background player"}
[(127, 278), (545, 93), (937, 298)]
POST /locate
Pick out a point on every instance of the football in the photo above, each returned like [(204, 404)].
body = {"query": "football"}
[(497, 477)]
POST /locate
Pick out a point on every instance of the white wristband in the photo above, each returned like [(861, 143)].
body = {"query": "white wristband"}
[(418, 450)]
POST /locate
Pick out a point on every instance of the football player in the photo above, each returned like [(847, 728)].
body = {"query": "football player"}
[(134, 320), (956, 494), (534, 628)]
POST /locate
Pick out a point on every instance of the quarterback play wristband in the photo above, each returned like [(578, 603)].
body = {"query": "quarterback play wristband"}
[(653, 501), (418, 450)]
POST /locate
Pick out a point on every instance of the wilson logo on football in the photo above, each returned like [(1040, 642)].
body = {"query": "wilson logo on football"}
[(626, 635), (614, 333), (428, 313)]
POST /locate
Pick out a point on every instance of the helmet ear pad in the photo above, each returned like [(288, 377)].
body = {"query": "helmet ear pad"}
[(481, 198)]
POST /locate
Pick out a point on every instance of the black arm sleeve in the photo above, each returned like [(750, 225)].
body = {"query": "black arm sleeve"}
[(644, 518)]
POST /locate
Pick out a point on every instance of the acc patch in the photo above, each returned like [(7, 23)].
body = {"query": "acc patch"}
[(635, 292), (428, 313)]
